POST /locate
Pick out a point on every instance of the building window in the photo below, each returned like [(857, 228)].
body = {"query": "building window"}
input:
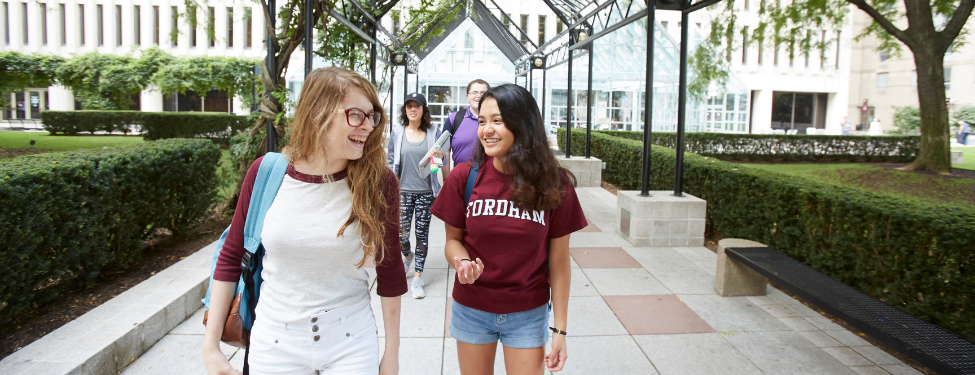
[(25, 24), (191, 17), (506, 21), (761, 51), (137, 24), (884, 56), (775, 57), (211, 32), (822, 53), (947, 79), (663, 24), (558, 26), (62, 17), (837, 50), (541, 30), (248, 27), (745, 5), (883, 80), (43, 9), (6, 23), (744, 45), (807, 51), (155, 25), (81, 24), (173, 31), (118, 25), (99, 22), (524, 27), (396, 22), (230, 27)]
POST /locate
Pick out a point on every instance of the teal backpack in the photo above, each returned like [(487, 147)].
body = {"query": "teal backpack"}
[(269, 177)]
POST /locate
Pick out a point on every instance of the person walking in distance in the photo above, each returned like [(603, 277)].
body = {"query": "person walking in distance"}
[(509, 240), (410, 142), (963, 130), (335, 212), (462, 126)]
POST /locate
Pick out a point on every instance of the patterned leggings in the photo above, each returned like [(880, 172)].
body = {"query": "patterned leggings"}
[(420, 202)]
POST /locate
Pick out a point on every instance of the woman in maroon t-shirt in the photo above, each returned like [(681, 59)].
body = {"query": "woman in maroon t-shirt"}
[(510, 241)]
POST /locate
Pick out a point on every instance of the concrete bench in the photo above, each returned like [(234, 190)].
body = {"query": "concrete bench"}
[(956, 157), (741, 269)]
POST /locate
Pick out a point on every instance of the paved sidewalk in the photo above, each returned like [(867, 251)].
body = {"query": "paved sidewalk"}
[(633, 310)]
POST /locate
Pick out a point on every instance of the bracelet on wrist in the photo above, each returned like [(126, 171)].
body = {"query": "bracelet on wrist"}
[(559, 331), (466, 260)]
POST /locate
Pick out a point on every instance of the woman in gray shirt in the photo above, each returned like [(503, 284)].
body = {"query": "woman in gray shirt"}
[(411, 142)]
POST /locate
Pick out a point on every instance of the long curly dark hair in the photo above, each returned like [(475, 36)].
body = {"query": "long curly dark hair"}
[(537, 181), (425, 120)]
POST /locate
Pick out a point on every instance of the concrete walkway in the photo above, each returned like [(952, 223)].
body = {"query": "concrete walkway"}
[(633, 310)]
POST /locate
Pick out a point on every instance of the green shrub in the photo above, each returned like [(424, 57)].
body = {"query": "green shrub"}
[(769, 147), (73, 122), (911, 255), (155, 125), (907, 119), (67, 217)]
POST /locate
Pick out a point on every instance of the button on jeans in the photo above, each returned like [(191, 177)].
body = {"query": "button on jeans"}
[(339, 341)]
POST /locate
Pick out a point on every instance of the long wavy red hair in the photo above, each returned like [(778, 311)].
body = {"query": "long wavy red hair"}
[(323, 92)]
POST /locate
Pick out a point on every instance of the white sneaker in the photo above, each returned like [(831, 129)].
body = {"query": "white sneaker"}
[(408, 264), (418, 288)]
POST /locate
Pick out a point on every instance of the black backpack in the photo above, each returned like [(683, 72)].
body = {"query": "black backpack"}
[(452, 126)]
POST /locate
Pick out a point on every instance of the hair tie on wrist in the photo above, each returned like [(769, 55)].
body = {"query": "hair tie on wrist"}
[(556, 330), (466, 260)]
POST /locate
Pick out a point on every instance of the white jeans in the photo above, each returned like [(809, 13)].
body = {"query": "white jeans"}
[(340, 341)]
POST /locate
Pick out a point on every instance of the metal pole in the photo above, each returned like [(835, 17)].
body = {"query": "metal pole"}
[(648, 102), (271, 138), (568, 111), (531, 76), (309, 29), (589, 103), (392, 80), (544, 115), (681, 106), (372, 59), (406, 84)]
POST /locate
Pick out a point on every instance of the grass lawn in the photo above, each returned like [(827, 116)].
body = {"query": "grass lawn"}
[(45, 141), (968, 157), (917, 186)]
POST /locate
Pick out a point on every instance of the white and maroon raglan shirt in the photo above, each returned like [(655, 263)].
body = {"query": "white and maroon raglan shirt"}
[(307, 268), (511, 242)]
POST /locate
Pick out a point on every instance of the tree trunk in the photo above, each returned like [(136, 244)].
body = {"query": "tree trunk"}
[(935, 154)]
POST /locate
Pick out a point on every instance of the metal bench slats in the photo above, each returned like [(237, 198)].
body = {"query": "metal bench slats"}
[(928, 344)]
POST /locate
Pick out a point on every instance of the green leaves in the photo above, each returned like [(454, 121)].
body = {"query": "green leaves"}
[(70, 216), (910, 254), (19, 71)]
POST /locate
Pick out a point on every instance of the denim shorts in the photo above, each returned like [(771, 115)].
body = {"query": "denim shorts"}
[(520, 330)]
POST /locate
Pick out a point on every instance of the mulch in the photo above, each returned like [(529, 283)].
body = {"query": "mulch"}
[(160, 253)]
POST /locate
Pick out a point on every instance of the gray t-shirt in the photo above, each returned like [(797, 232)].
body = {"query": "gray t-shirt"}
[(411, 180)]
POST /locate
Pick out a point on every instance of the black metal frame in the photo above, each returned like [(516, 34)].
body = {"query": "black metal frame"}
[(570, 13)]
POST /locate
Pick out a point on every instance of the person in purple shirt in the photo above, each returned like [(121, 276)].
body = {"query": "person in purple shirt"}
[(463, 136)]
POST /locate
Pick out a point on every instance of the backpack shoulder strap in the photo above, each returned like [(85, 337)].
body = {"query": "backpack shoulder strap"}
[(458, 118), (266, 185), (471, 179)]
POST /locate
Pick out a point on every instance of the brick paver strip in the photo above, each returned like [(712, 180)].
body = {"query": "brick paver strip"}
[(603, 257), (656, 315)]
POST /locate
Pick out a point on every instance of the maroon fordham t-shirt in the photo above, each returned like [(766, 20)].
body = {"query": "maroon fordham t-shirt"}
[(512, 243)]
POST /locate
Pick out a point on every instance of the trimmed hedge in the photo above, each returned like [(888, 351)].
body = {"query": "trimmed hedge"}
[(771, 147), (73, 122), (912, 255), (67, 217), (155, 125)]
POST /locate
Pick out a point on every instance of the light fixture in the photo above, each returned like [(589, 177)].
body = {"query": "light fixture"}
[(582, 36), (398, 58), (539, 62)]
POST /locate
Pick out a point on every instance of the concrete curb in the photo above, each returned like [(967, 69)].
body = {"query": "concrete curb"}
[(106, 339)]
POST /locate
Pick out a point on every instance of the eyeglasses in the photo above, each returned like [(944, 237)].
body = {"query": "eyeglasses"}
[(355, 117), (476, 93)]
